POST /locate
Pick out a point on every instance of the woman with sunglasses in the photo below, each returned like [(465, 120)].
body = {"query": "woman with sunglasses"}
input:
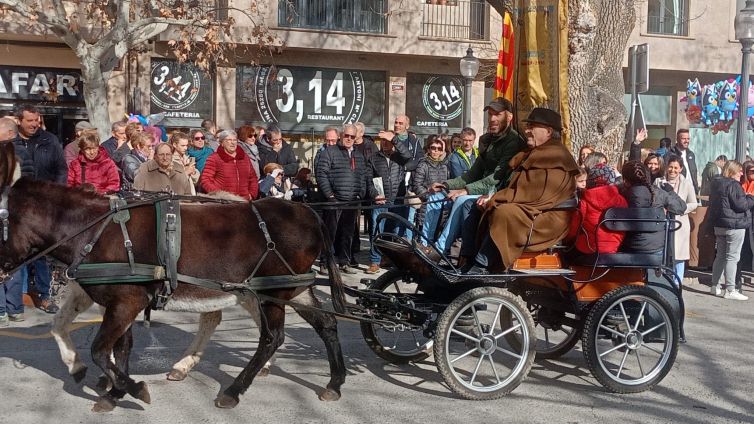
[(433, 168), (198, 148)]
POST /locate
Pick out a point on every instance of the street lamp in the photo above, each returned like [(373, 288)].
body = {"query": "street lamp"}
[(744, 27), (469, 69)]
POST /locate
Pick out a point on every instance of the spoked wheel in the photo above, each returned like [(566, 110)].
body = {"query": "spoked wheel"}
[(553, 338), (396, 346), (630, 339), (472, 351)]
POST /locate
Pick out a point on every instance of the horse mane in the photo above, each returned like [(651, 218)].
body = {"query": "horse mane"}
[(58, 194)]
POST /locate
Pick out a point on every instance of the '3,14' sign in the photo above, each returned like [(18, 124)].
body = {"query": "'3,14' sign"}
[(309, 95)]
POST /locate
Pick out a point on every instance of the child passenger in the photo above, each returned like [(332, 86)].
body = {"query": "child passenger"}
[(601, 194)]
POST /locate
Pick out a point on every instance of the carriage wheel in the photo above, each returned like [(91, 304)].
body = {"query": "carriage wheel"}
[(471, 349), (396, 346), (553, 338), (630, 339)]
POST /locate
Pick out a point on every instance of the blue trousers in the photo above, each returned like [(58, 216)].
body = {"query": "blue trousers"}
[(12, 295), (42, 277), (458, 214)]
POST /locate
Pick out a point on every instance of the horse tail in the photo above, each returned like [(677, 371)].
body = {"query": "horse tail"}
[(337, 291)]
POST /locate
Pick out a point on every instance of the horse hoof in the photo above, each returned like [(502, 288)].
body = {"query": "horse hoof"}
[(177, 375), (226, 402), (79, 375), (264, 372), (141, 392), (329, 395), (103, 384), (104, 404)]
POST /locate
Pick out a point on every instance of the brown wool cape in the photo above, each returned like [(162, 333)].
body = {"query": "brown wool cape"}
[(543, 178)]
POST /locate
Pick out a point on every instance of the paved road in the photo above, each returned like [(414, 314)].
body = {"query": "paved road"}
[(711, 380)]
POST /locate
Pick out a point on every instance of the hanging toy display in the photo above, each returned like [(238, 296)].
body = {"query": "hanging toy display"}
[(715, 106)]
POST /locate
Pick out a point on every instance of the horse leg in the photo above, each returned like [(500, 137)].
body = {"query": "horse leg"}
[(251, 306), (115, 325), (326, 327), (271, 337), (208, 322), (120, 356), (76, 303)]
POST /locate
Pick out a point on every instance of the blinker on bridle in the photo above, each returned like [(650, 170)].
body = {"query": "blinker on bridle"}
[(4, 214)]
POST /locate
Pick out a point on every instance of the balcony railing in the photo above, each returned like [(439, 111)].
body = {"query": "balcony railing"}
[(334, 15), (455, 19)]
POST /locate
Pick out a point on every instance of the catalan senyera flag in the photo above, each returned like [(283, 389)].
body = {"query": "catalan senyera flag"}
[(505, 61)]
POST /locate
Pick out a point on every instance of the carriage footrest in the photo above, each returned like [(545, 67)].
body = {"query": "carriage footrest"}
[(553, 271)]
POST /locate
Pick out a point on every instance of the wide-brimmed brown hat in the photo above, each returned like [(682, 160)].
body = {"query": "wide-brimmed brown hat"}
[(544, 116)]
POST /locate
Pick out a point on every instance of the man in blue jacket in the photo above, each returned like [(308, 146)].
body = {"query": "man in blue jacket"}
[(463, 157), (49, 165)]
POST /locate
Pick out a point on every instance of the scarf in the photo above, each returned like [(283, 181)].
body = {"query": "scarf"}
[(474, 153)]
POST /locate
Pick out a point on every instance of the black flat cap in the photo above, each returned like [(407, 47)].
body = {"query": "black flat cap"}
[(543, 116), (500, 104)]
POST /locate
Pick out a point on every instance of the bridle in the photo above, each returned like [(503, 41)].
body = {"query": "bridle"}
[(4, 214)]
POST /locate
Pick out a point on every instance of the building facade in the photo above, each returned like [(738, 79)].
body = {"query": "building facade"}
[(687, 40), (342, 61)]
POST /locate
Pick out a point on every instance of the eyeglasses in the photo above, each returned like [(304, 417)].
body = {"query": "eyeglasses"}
[(751, 171), (435, 149), (199, 138), (348, 136)]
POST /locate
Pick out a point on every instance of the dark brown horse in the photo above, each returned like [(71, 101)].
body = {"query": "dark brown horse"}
[(219, 242)]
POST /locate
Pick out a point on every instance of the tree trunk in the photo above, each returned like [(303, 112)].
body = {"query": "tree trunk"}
[(598, 32), (95, 95)]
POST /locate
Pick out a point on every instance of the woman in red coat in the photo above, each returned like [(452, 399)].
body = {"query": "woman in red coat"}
[(93, 167), (229, 169), (601, 194)]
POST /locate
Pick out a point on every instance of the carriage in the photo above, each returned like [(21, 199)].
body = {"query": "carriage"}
[(486, 330)]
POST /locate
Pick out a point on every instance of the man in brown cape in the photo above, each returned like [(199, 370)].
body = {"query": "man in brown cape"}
[(543, 178)]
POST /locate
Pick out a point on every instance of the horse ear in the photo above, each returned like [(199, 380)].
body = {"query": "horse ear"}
[(7, 163)]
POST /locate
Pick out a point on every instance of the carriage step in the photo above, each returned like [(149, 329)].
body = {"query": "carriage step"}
[(553, 271)]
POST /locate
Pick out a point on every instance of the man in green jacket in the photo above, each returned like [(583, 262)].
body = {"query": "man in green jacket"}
[(496, 148)]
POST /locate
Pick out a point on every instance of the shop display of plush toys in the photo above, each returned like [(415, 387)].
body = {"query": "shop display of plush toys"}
[(715, 106)]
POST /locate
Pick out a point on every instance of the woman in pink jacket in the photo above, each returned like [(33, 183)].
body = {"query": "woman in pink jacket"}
[(93, 168)]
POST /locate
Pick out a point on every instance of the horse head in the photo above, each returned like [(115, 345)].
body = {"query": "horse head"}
[(9, 173)]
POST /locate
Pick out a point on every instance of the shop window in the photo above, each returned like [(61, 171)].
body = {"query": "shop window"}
[(669, 17)]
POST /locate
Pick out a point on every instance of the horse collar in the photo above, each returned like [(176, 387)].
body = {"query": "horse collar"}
[(4, 213)]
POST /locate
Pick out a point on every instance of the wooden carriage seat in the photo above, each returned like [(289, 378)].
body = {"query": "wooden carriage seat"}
[(645, 220)]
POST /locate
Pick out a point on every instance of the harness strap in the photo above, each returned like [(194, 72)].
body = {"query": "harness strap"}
[(70, 272)]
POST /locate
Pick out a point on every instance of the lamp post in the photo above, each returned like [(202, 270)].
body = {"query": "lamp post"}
[(469, 68), (744, 28)]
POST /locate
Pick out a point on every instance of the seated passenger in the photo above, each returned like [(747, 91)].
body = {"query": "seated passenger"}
[(517, 216), (640, 193), (496, 148), (601, 194)]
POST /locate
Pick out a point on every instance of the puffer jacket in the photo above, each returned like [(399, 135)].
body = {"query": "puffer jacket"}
[(130, 165), (590, 238), (100, 172), (729, 206), (24, 160), (427, 173), (641, 197), (392, 170), (233, 174), (341, 177), (47, 154), (285, 157)]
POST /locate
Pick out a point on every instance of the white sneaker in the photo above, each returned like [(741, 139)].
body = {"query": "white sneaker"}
[(716, 291), (734, 295)]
